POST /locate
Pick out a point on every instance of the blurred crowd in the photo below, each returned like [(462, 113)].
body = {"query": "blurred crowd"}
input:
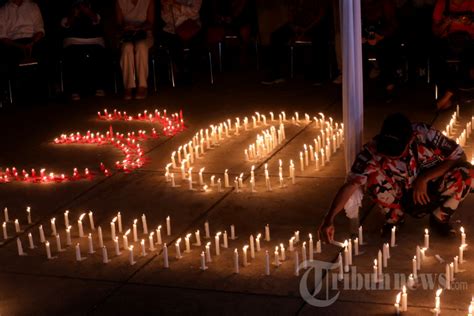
[(403, 40)]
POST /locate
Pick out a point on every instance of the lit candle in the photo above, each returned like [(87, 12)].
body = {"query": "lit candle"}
[(375, 275), (100, 238), (437, 309), (301, 162), (68, 236), (130, 255), (340, 274), (291, 244), (151, 241), (318, 246), (267, 232), (427, 239), (217, 243), (53, 227), (48, 251), (58, 243), (145, 225), (158, 235), (112, 228), (197, 234), (125, 239), (349, 250), (207, 230), (208, 252), (380, 263), (30, 240), (282, 252), (135, 233), (463, 236), (105, 256), (79, 225), (361, 236), (5, 232), (393, 237), (78, 252), (5, 213), (356, 246), (418, 258), (66, 219), (276, 260), (244, 253), (303, 255), (203, 261), (19, 247), (397, 304), (41, 233), (142, 245), (226, 178), (117, 247), (187, 243), (267, 263), (414, 266), (257, 242), (28, 215), (168, 226), (91, 246), (346, 257), (178, 249), (119, 222), (91, 220), (385, 255), (461, 254), (166, 263), (311, 249), (411, 281)]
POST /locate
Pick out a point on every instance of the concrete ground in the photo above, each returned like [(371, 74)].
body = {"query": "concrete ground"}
[(33, 285)]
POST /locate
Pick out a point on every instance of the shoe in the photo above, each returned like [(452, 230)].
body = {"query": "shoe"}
[(273, 81), (338, 80), (442, 228), (141, 93), (99, 93), (127, 95), (75, 97)]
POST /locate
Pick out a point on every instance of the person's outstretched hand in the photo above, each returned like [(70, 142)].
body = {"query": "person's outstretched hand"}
[(326, 231), (420, 191)]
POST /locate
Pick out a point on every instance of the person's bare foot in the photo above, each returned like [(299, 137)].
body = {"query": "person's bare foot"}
[(127, 95), (141, 93), (445, 101)]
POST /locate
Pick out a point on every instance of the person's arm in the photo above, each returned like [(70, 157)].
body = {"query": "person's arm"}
[(38, 25), (441, 24), (150, 17), (327, 230), (119, 16)]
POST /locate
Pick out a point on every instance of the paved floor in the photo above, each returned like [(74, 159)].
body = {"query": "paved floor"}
[(33, 285)]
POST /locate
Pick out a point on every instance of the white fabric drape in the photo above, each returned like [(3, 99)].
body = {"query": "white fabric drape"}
[(352, 85)]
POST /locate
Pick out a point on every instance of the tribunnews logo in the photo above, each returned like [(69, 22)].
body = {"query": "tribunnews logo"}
[(312, 282)]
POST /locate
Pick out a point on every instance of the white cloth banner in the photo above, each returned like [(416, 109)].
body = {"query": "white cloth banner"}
[(352, 90)]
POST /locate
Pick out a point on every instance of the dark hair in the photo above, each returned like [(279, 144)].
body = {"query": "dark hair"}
[(394, 136)]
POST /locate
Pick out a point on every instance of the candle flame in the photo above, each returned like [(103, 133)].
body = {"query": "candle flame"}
[(426, 231), (438, 292), (398, 297), (462, 230)]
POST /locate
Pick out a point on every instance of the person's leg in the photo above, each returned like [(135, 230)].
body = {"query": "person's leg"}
[(127, 63), (141, 62), (452, 190)]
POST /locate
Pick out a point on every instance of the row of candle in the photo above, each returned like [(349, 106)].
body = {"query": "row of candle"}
[(464, 135), (265, 143), (128, 144)]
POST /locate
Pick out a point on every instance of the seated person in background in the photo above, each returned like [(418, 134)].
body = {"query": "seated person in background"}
[(379, 25), (135, 19), (308, 20), (453, 25), (234, 18), (407, 168), (182, 30), (83, 48), (21, 32)]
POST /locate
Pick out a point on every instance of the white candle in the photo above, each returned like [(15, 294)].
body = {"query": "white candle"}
[(267, 232), (276, 260), (418, 258), (232, 232), (244, 254), (393, 237), (375, 275), (226, 178), (178, 249), (349, 250), (456, 264), (463, 236), (28, 215), (340, 274), (48, 251), (404, 304), (125, 239), (414, 268), (100, 238), (17, 226), (361, 236), (397, 304), (130, 255), (208, 252), (427, 239), (91, 246), (303, 255), (117, 247), (187, 243), (380, 264), (291, 244), (142, 246), (79, 225), (356, 246), (105, 256), (168, 226), (158, 235), (207, 230), (66, 219), (30, 240), (68, 236), (461, 254), (78, 252), (119, 222), (282, 252), (203, 261), (217, 244), (197, 234), (438, 302), (252, 247), (5, 213), (145, 225), (5, 232), (91, 220), (267, 263), (135, 233), (19, 247), (41, 233), (58, 243), (226, 241), (385, 255), (311, 249), (112, 228), (297, 264), (301, 162), (346, 258), (166, 263), (257, 242)]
